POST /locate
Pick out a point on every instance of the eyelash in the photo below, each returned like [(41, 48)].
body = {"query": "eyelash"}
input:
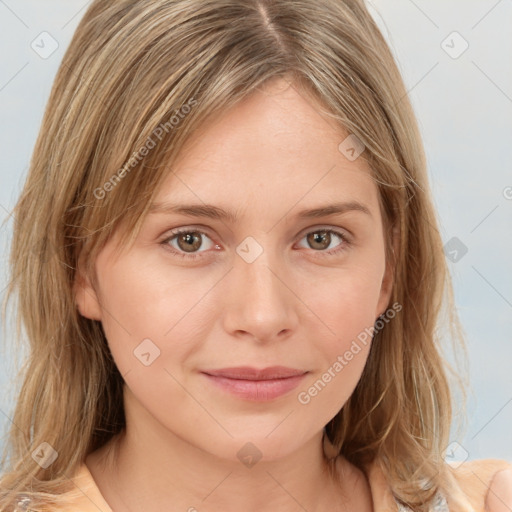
[(333, 252)]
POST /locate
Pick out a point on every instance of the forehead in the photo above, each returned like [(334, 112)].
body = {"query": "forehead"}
[(273, 148)]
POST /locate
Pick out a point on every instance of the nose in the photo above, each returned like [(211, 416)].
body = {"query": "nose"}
[(259, 300)]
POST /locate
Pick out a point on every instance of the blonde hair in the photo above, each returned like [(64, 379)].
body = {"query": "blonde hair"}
[(128, 74)]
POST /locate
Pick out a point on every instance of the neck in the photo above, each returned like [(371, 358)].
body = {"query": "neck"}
[(154, 470)]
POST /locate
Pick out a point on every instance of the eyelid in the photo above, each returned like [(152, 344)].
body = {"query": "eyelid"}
[(206, 231), (186, 229), (347, 235), (169, 233)]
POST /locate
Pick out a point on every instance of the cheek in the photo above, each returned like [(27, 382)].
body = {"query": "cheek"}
[(343, 352), (143, 301), (346, 302)]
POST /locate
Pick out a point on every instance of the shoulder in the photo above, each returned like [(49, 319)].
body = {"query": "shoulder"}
[(499, 496), (486, 482), (84, 497), (91, 500)]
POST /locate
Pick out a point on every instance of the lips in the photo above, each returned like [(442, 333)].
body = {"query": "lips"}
[(249, 373), (256, 384)]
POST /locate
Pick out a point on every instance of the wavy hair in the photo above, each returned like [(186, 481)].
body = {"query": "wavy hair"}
[(134, 69)]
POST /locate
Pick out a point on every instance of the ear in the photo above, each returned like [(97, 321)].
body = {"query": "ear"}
[(388, 278), (86, 297)]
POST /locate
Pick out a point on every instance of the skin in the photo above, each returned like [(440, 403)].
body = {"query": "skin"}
[(268, 158)]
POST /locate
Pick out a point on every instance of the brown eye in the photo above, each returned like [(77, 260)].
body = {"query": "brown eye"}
[(324, 241), (189, 242), (319, 239)]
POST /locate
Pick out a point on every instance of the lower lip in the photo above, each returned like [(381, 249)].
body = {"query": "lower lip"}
[(257, 390)]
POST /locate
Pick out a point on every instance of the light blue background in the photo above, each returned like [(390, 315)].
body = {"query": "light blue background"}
[(464, 106)]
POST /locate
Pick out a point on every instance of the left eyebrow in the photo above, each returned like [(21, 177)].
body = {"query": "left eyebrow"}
[(334, 209), (215, 212)]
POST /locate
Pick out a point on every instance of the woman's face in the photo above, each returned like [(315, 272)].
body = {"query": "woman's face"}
[(262, 277)]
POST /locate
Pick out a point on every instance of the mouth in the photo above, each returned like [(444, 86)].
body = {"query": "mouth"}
[(254, 384)]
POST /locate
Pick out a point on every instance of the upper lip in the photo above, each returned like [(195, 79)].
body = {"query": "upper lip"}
[(249, 373)]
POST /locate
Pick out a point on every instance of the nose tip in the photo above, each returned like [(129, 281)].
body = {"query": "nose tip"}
[(259, 302)]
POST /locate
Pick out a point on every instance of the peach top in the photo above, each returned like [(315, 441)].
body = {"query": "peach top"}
[(475, 478)]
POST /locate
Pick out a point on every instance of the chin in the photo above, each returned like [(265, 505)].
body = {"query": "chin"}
[(260, 446)]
